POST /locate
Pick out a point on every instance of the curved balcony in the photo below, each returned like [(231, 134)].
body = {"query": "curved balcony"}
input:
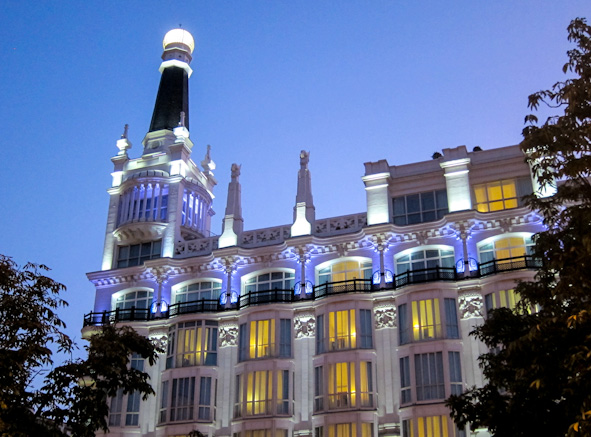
[(433, 274), (509, 264)]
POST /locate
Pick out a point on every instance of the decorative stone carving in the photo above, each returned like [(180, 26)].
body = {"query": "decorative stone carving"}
[(159, 338), (305, 326), (471, 306), (228, 335), (385, 317)]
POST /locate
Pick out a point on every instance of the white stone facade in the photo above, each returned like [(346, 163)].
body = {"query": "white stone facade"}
[(344, 326)]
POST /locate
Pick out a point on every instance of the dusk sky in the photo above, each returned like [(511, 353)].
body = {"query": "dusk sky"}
[(349, 81)]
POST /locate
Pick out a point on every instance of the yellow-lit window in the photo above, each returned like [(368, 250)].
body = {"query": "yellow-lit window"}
[(432, 426), (366, 384), (341, 385), (262, 338), (496, 196), (350, 430), (344, 271), (504, 249), (263, 392), (259, 392), (426, 319), (341, 330), (192, 344), (504, 299)]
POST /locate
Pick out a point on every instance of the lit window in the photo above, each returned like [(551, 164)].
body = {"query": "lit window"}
[(420, 208), (269, 281), (257, 339), (203, 290), (506, 248), (429, 376), (341, 330), (344, 271), (140, 300), (501, 299), (144, 202), (455, 373), (341, 385), (262, 338), (426, 319), (499, 195), (350, 430), (431, 426), (137, 254), (192, 344), (255, 393), (425, 259), (343, 391)]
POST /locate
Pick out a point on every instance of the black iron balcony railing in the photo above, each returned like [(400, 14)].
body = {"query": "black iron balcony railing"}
[(348, 286), (196, 306), (426, 275), (119, 315), (508, 264), (266, 296), (319, 291)]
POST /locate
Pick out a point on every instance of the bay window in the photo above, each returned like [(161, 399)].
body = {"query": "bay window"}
[(192, 344)]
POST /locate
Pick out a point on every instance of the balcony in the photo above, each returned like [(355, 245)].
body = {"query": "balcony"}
[(509, 264), (266, 296), (318, 292)]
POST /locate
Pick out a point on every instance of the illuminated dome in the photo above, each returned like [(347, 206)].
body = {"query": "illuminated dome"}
[(175, 37)]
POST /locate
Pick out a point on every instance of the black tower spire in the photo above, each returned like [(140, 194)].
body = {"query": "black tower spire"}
[(173, 92)]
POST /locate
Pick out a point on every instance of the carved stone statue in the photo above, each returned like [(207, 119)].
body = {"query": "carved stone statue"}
[(304, 158), (235, 171)]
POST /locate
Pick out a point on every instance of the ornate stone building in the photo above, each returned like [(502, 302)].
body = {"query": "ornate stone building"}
[(344, 326)]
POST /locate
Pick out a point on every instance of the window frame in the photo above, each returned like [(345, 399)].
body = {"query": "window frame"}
[(146, 251), (202, 336), (401, 216)]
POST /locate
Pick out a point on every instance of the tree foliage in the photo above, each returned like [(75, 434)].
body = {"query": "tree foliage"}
[(538, 370), (72, 400)]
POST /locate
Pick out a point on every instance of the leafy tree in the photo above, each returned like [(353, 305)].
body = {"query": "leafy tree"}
[(73, 396), (538, 369)]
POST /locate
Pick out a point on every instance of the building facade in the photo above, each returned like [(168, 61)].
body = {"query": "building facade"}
[(335, 327)]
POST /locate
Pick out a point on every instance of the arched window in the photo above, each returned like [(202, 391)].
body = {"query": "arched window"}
[(344, 270), (275, 280), (202, 290), (424, 258), (505, 248), (138, 299)]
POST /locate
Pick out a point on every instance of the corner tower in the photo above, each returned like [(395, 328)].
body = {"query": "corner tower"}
[(161, 198)]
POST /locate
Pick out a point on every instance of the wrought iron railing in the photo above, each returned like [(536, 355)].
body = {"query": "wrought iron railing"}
[(266, 296), (348, 286), (508, 264), (426, 275), (196, 306), (319, 291)]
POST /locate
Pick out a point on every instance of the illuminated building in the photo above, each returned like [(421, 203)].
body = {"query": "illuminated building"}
[(345, 326)]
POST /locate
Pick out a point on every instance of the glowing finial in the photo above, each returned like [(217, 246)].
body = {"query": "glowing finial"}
[(176, 38)]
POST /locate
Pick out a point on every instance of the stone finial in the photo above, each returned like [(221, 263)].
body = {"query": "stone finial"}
[(182, 119), (207, 163), (123, 144)]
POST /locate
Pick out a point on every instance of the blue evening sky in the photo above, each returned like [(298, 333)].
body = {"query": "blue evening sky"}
[(350, 81)]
